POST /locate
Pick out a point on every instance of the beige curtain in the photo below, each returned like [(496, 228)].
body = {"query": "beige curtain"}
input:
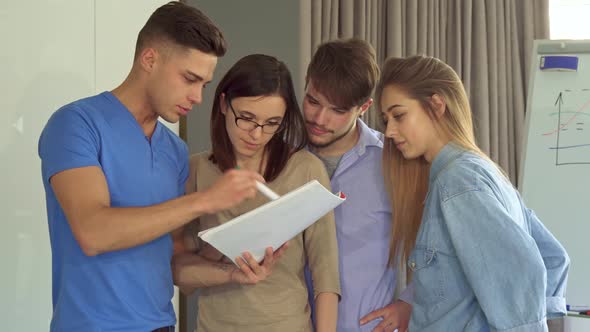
[(488, 43)]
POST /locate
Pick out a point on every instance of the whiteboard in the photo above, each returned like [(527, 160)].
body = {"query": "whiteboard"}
[(555, 167)]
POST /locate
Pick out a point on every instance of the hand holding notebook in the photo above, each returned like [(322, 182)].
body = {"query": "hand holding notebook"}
[(273, 223)]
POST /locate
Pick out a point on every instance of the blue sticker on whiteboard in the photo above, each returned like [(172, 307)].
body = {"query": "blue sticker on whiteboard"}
[(559, 63)]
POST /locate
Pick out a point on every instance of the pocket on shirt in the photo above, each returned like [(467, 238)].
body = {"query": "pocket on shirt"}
[(421, 258), (428, 276)]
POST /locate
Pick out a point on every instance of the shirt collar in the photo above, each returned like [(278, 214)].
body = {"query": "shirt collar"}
[(367, 137), (448, 154), (119, 116)]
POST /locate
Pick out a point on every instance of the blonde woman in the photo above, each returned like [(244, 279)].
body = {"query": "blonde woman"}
[(479, 259)]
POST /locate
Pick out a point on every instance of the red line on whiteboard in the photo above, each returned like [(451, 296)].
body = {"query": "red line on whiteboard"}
[(568, 121)]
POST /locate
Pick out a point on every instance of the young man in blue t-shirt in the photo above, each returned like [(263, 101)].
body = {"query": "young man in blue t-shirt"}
[(114, 181)]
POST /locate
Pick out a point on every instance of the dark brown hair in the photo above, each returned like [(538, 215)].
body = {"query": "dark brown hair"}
[(258, 75), (181, 25), (345, 71)]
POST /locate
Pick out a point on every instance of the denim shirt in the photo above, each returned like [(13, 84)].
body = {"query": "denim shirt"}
[(482, 261)]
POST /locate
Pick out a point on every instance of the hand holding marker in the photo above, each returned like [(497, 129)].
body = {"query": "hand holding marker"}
[(266, 191)]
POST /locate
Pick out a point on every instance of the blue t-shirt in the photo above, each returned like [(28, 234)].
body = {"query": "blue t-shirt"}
[(124, 290)]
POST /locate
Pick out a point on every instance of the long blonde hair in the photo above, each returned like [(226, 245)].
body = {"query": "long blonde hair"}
[(420, 77)]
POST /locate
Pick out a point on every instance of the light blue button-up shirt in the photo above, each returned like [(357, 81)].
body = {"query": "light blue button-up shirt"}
[(363, 230), (482, 260)]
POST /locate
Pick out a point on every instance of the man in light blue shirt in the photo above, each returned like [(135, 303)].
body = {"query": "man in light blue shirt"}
[(339, 83)]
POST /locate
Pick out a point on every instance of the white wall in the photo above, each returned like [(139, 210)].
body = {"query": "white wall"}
[(53, 52)]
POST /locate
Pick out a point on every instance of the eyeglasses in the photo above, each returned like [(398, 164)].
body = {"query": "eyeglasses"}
[(249, 125)]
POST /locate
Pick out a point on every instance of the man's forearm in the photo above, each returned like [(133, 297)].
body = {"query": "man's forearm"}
[(326, 312), (192, 271), (110, 228)]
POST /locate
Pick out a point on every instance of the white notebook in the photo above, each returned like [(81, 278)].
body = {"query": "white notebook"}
[(273, 223)]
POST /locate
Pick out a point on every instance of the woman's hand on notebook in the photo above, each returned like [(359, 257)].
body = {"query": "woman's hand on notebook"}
[(251, 272)]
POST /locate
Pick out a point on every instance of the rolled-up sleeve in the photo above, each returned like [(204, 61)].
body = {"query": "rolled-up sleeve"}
[(407, 295), (557, 264), (500, 260), (321, 245)]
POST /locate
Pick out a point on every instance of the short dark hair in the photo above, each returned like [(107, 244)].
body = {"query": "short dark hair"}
[(181, 25), (345, 71), (258, 75)]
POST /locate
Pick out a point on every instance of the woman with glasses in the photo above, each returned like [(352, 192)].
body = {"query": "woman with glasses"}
[(256, 124)]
